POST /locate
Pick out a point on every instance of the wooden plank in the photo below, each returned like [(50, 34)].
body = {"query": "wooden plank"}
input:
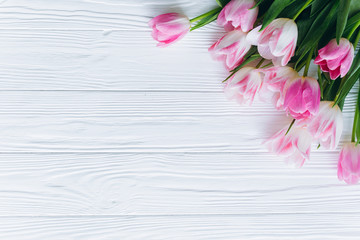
[(93, 14), (106, 60), (171, 184), (249, 227), (44, 121)]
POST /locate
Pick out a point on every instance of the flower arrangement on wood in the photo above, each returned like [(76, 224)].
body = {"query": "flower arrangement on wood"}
[(266, 45)]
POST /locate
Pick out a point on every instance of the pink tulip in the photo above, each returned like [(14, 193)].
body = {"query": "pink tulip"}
[(336, 59), (277, 41), (349, 163), (237, 14), (276, 82), (169, 27), (295, 146), (327, 125), (230, 49), (243, 85), (302, 98)]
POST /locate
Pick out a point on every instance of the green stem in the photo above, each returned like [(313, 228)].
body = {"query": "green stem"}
[(321, 84), (357, 39), (356, 118), (328, 90), (308, 60), (291, 124), (267, 65), (353, 30), (211, 12), (302, 9), (260, 62)]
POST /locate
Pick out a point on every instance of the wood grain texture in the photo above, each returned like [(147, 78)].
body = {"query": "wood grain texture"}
[(104, 136), (205, 227), (170, 184), (45, 121), (93, 14), (106, 60)]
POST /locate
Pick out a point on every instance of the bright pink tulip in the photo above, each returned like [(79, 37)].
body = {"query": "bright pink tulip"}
[(237, 14), (277, 41), (243, 85), (169, 27), (230, 49), (276, 82), (336, 59), (327, 125), (302, 98), (295, 146), (349, 163)]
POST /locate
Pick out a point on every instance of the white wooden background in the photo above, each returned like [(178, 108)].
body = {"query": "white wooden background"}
[(103, 136)]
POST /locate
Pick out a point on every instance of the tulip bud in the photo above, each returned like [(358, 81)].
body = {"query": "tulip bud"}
[(230, 49), (302, 98), (277, 41), (336, 59), (243, 85), (327, 125), (294, 146), (169, 27), (349, 163), (275, 84), (237, 14)]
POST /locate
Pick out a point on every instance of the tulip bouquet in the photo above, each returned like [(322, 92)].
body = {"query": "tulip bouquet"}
[(266, 46)]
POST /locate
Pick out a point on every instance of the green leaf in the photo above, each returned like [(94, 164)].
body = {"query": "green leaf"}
[(331, 90), (350, 79), (357, 110), (222, 3), (275, 9), (317, 6), (354, 7), (206, 20), (351, 27), (318, 28), (247, 61), (257, 4), (292, 9), (342, 17)]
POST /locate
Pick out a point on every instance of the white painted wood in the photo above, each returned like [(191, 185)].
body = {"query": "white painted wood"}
[(83, 121), (204, 227), (105, 136), (170, 184), (106, 60)]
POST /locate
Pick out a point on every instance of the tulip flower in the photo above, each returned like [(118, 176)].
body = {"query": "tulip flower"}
[(230, 49), (275, 83), (169, 27), (336, 59), (243, 85), (302, 98), (327, 125), (237, 14), (277, 41), (349, 163), (294, 146)]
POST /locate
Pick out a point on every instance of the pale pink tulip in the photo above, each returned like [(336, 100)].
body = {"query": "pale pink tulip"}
[(277, 41), (237, 14), (336, 59), (169, 27), (327, 125), (243, 85), (349, 163), (302, 98), (294, 146), (230, 49), (275, 84)]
